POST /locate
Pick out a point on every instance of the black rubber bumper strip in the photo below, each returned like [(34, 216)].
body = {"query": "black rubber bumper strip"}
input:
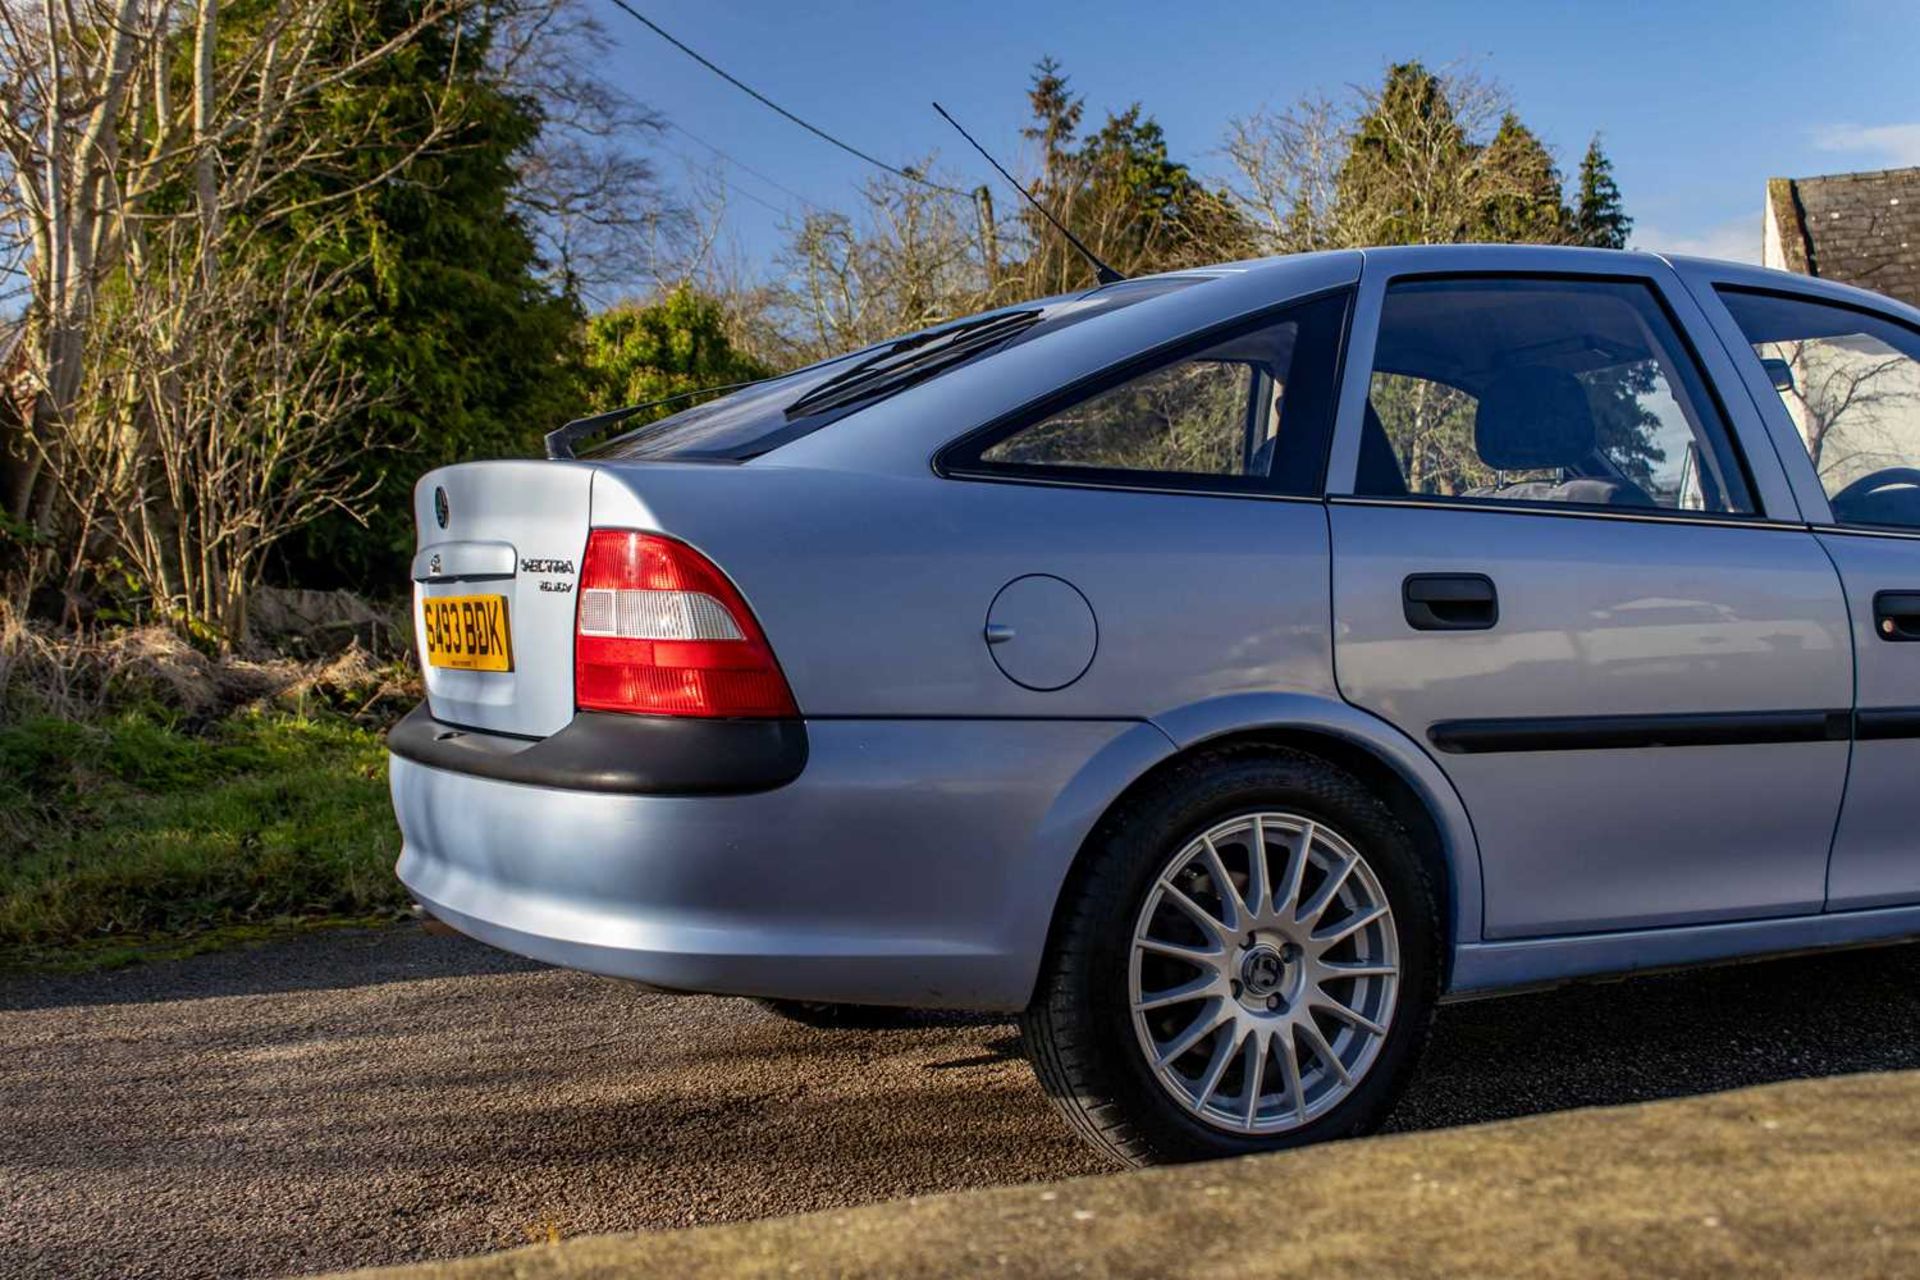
[(1600, 733), (618, 754), (1877, 724)]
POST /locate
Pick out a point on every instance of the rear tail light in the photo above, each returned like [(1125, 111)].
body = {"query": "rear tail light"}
[(661, 631)]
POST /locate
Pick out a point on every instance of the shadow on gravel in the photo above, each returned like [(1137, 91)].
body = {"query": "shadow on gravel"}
[(316, 961), (1669, 1035), (999, 1049)]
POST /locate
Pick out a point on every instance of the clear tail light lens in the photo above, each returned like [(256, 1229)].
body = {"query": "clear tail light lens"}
[(660, 631)]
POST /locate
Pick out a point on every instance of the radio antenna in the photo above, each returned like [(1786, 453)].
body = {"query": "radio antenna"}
[(1101, 271)]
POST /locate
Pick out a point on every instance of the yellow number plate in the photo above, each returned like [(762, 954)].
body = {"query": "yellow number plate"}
[(467, 633)]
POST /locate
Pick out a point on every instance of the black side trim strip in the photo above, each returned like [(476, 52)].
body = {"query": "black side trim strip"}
[(621, 754), (1595, 733), (1875, 724)]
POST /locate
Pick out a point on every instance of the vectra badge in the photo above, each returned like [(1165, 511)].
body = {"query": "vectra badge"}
[(440, 510)]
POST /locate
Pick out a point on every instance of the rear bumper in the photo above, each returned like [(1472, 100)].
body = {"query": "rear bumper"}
[(621, 754), (910, 863)]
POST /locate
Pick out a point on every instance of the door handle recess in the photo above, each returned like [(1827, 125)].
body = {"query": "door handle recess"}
[(1457, 602), (1896, 615)]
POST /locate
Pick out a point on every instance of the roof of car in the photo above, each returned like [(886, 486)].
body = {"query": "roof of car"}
[(1403, 256), (1451, 258)]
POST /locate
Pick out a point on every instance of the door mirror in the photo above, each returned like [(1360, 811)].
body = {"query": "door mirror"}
[(1779, 373)]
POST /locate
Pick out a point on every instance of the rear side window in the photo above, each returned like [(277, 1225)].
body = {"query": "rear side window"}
[(1191, 418), (1850, 380), (1574, 392), (1247, 412)]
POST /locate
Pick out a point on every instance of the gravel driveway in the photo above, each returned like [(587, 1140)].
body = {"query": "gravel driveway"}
[(366, 1097)]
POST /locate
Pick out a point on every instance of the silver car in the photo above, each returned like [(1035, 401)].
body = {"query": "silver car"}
[(1217, 669)]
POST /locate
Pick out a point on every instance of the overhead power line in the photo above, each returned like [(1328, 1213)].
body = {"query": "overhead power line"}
[(745, 168), (742, 192), (765, 101)]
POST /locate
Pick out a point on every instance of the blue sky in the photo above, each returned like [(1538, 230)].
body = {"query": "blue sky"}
[(1698, 103)]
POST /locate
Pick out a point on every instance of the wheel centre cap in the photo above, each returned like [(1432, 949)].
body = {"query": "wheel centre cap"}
[(1262, 970)]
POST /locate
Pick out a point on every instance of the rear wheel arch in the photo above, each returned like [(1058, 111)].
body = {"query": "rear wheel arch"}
[(1112, 1037), (1368, 765)]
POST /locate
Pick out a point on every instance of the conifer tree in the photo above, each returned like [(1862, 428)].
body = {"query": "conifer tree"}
[(1599, 217), (1523, 201)]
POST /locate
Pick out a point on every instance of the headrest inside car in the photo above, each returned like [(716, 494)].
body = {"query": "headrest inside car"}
[(1534, 418)]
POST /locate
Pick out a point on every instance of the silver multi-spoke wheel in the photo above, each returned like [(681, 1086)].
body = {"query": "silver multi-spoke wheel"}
[(1263, 973)]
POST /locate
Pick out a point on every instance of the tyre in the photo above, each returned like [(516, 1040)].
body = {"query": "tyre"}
[(1247, 959), (839, 1017)]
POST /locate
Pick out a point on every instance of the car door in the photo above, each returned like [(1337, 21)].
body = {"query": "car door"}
[(1561, 564), (1839, 376)]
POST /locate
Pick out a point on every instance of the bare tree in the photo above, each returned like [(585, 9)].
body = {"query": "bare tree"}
[(219, 428), (1838, 398), (98, 131), (1419, 169), (713, 262), (593, 201), (908, 259), (1417, 160), (1286, 165), (150, 150)]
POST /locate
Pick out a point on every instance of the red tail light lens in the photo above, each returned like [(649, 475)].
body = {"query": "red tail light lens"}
[(660, 631)]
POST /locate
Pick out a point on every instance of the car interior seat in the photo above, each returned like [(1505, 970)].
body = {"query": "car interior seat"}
[(1536, 418)]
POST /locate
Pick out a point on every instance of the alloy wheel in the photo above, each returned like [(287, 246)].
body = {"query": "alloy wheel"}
[(1263, 973)]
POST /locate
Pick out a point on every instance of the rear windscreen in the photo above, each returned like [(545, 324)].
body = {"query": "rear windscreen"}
[(768, 414)]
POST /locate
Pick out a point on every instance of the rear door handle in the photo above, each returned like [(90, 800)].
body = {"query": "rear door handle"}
[(1896, 615), (1455, 602)]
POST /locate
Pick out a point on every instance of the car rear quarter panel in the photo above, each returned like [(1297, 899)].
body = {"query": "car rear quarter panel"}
[(874, 589)]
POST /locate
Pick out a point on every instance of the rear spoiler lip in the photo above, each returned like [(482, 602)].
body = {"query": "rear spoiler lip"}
[(560, 441)]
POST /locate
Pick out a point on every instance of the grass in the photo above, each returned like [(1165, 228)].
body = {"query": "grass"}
[(134, 834)]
